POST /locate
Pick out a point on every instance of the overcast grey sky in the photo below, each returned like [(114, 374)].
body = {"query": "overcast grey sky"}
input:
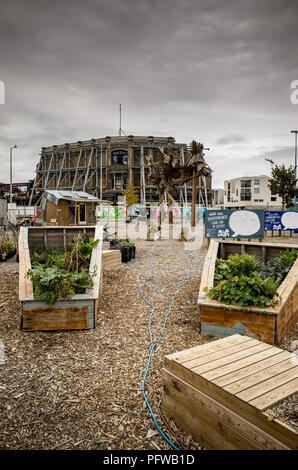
[(218, 71)]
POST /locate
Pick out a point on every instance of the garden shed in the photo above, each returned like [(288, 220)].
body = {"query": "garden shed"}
[(68, 208)]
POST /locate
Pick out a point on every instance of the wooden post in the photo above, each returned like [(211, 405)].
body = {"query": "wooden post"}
[(194, 198)]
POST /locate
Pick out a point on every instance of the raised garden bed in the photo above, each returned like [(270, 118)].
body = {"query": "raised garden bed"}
[(75, 312), (111, 259), (222, 392), (269, 324)]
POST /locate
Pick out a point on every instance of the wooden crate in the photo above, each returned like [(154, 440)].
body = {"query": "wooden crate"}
[(75, 313), (111, 259), (219, 391), (266, 324)]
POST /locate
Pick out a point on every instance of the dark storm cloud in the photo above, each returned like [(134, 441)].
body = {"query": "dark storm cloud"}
[(217, 71)]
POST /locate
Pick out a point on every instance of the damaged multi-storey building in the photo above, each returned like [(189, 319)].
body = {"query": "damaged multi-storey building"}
[(105, 166)]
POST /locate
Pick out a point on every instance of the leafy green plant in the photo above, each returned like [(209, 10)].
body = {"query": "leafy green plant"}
[(52, 283), (125, 243), (235, 265), (40, 255), (6, 246), (242, 280), (57, 275), (246, 291), (242, 264), (78, 256), (222, 269), (279, 267)]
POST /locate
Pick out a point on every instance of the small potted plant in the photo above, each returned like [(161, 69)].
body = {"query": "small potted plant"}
[(7, 250)]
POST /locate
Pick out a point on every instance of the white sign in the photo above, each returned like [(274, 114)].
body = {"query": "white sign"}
[(244, 223), (290, 220)]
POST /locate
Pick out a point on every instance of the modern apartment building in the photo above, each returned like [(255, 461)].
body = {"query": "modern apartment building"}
[(218, 198), (250, 192)]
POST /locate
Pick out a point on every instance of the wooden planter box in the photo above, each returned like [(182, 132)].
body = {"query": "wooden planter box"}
[(219, 391), (77, 312), (266, 324), (111, 259)]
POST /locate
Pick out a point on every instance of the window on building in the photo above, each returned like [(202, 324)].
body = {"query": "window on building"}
[(256, 182), (245, 193), (273, 198), (256, 190), (118, 182), (119, 157)]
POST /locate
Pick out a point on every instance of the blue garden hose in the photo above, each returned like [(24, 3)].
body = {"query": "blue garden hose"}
[(155, 343)]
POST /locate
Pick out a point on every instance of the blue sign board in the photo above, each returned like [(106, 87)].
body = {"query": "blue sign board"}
[(280, 220), (234, 224)]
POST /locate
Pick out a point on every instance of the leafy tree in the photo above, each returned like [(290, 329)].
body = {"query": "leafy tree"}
[(131, 196), (283, 183)]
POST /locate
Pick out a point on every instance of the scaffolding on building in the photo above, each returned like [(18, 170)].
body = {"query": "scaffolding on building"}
[(87, 166)]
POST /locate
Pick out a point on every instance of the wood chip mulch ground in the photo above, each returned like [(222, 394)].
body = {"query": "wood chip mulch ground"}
[(82, 389)]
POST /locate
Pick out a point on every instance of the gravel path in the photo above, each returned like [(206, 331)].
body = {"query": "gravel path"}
[(82, 390)]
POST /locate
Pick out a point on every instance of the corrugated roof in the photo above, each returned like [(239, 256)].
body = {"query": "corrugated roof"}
[(76, 196)]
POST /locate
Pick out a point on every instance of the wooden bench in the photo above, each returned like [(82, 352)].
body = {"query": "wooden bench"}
[(219, 391)]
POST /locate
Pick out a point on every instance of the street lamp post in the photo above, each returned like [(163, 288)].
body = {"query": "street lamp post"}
[(14, 147), (295, 132)]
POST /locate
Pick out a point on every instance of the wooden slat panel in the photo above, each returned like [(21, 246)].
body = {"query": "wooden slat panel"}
[(268, 385), (223, 416), (198, 361), (207, 348), (246, 372), (263, 326), (264, 374), (111, 259), (205, 272), (25, 285), (56, 318), (230, 359), (212, 375), (211, 432), (282, 432), (275, 396), (210, 278), (95, 263)]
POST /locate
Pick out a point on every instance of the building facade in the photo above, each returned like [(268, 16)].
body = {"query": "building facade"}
[(218, 198), (250, 192), (104, 167)]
